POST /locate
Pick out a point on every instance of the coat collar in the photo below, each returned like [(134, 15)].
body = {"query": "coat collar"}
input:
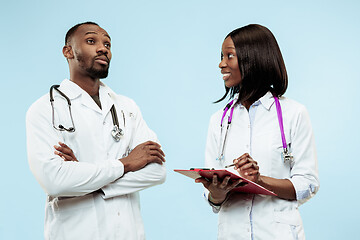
[(73, 91)]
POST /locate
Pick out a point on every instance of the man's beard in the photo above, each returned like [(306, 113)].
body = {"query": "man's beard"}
[(97, 73), (92, 71)]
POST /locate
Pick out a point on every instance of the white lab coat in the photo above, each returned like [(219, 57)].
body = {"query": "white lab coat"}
[(74, 208), (247, 216)]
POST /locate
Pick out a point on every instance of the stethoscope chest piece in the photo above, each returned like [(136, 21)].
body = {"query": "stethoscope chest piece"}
[(287, 156), (117, 133)]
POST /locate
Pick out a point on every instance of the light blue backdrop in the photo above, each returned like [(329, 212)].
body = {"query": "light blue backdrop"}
[(165, 57)]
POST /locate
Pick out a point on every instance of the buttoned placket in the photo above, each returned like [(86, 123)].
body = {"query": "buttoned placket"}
[(106, 102), (249, 199), (251, 113), (106, 131)]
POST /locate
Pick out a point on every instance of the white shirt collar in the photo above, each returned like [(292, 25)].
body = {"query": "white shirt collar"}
[(267, 100)]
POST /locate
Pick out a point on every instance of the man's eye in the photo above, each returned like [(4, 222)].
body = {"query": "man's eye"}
[(107, 45), (90, 41)]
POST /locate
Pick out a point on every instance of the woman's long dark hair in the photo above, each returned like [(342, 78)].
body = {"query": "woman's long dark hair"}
[(261, 64)]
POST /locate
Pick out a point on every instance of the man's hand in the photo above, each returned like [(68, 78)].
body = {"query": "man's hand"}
[(142, 155), (65, 152)]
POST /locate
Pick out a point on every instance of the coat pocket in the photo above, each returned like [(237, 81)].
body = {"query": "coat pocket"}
[(74, 218), (288, 225)]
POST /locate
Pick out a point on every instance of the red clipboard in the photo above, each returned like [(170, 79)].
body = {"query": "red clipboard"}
[(247, 185)]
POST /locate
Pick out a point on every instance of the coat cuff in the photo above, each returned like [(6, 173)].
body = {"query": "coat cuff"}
[(118, 166)]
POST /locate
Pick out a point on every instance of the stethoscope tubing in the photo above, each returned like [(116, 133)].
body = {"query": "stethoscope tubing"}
[(286, 154), (116, 132), (280, 120), (61, 127)]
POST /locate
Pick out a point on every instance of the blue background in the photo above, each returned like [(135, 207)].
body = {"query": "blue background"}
[(165, 57)]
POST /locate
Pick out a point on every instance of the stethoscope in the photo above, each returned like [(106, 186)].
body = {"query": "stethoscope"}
[(285, 155), (116, 132)]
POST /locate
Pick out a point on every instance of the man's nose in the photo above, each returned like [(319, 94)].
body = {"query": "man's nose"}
[(102, 49)]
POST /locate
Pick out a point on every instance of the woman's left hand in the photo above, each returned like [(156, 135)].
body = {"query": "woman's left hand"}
[(247, 167), (65, 152)]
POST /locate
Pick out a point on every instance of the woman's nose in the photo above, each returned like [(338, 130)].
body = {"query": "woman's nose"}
[(222, 64)]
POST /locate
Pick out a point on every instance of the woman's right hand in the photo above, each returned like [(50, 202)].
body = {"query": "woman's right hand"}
[(218, 189)]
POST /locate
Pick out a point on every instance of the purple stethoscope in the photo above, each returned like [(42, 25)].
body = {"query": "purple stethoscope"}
[(285, 155)]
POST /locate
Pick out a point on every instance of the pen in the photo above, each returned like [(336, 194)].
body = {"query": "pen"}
[(230, 165), (202, 168)]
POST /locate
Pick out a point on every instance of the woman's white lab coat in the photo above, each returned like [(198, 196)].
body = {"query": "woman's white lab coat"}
[(247, 216), (75, 209)]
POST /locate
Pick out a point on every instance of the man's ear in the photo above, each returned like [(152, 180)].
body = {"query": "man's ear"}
[(68, 52)]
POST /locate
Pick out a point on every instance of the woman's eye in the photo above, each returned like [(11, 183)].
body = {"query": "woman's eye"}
[(230, 55)]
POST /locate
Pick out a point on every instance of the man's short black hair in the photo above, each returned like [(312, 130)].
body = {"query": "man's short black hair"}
[(73, 30)]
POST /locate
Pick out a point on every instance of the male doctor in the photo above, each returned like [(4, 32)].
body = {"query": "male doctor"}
[(92, 179)]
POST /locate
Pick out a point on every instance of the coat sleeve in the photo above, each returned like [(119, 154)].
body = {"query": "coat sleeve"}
[(151, 175), (304, 171), (56, 176), (211, 153)]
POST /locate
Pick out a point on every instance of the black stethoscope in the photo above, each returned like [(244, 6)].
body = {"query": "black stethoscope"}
[(285, 155), (116, 132)]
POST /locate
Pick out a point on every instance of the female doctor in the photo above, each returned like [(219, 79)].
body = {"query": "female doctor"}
[(266, 137)]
